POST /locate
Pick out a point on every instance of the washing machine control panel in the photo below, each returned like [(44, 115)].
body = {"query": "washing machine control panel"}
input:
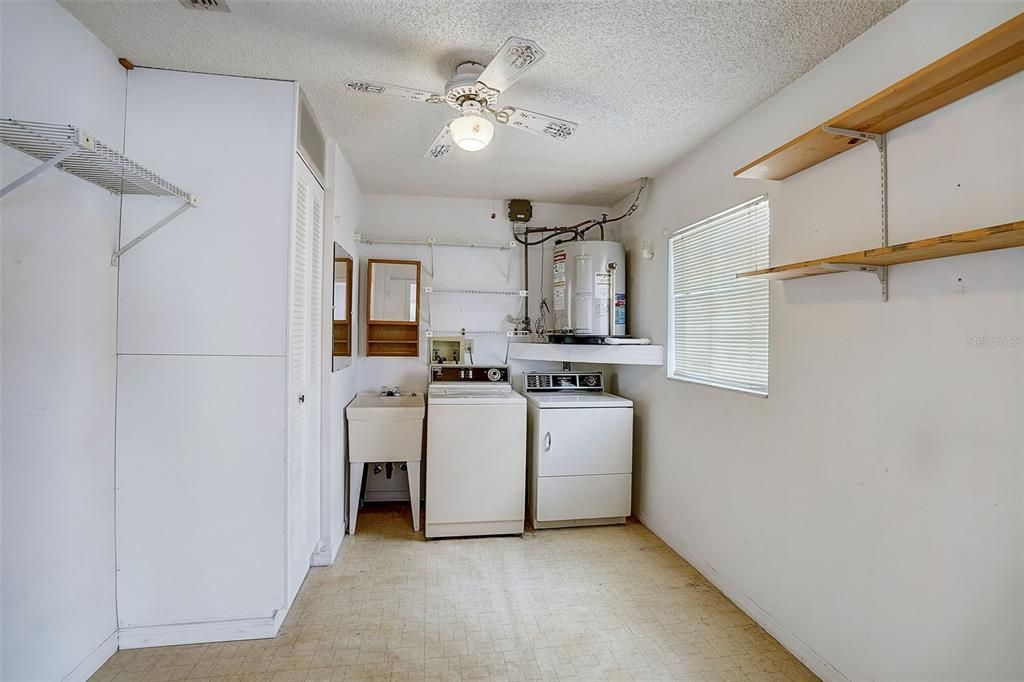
[(536, 382), (469, 373)]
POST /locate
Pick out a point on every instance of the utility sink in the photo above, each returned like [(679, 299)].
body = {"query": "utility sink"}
[(385, 428), (372, 407)]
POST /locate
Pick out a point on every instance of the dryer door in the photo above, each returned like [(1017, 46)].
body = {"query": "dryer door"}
[(577, 441)]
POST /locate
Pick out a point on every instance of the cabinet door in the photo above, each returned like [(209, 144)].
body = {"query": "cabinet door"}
[(576, 441)]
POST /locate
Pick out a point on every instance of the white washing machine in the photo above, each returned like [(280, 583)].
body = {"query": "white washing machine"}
[(580, 449), (476, 453)]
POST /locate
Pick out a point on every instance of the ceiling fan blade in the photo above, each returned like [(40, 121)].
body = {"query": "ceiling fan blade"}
[(540, 124), (441, 146), (371, 88), (514, 58)]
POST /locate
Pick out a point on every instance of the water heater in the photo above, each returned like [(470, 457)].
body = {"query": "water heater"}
[(589, 280)]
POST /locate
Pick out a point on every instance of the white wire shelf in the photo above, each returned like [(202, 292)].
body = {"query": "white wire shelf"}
[(405, 240), (88, 159), (75, 151), (520, 293), (476, 332)]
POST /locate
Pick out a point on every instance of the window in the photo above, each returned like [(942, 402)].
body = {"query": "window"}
[(718, 323)]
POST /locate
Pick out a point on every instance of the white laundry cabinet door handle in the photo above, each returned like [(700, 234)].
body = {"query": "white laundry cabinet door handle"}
[(547, 442)]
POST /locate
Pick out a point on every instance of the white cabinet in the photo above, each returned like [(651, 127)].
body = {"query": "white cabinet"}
[(219, 361)]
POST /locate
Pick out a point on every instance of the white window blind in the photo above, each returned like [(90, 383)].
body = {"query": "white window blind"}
[(719, 323)]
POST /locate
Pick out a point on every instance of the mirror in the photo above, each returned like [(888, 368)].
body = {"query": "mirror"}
[(394, 286), (342, 307), (392, 307)]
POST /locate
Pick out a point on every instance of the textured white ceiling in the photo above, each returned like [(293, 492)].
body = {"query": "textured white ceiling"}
[(645, 80)]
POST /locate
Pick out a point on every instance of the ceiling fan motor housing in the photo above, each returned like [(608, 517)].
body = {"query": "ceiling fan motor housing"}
[(463, 86)]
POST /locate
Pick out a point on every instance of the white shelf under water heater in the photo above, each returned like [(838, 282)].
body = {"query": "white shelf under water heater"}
[(596, 354)]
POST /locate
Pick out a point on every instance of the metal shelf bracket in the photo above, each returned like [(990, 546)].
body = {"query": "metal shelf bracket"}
[(883, 170), (152, 230), (876, 270)]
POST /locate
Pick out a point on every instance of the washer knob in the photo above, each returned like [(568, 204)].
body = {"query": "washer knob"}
[(494, 374)]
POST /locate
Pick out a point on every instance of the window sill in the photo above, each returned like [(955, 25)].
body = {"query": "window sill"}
[(734, 389)]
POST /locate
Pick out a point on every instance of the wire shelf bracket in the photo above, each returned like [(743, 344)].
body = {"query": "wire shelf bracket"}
[(148, 233), (75, 151)]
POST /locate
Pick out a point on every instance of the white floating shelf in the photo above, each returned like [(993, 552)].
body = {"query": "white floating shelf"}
[(596, 354)]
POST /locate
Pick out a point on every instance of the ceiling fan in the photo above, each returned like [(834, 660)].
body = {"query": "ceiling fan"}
[(473, 91)]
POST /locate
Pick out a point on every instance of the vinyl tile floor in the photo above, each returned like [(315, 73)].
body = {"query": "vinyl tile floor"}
[(588, 604)]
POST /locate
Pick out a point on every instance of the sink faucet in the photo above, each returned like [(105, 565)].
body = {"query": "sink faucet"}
[(391, 391)]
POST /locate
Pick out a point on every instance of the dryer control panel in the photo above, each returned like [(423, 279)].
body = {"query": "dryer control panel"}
[(470, 373), (547, 382)]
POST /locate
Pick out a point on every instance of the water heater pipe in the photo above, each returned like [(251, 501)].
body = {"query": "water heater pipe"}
[(611, 299), (526, 284)]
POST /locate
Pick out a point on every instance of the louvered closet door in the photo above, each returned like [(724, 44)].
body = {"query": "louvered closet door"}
[(315, 346), (303, 487)]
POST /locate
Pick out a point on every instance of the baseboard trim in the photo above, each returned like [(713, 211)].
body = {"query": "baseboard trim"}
[(796, 646), (328, 556), (96, 658), (199, 633)]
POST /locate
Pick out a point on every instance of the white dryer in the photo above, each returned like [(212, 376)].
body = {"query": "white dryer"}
[(476, 453), (580, 450)]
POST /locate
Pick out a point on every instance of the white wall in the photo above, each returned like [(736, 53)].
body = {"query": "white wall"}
[(869, 510), (201, 343), (468, 219), (344, 205), (58, 302)]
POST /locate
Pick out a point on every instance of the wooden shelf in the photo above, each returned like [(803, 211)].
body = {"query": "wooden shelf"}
[(985, 60), (972, 241), (397, 338)]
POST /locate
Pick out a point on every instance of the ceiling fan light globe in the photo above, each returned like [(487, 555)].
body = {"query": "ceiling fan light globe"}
[(471, 132), (471, 145)]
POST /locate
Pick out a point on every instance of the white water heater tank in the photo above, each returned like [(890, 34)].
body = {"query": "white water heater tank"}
[(589, 288)]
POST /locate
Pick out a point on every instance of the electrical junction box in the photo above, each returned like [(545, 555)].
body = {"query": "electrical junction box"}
[(520, 210)]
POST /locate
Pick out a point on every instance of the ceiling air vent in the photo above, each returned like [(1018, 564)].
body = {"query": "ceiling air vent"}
[(214, 5)]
